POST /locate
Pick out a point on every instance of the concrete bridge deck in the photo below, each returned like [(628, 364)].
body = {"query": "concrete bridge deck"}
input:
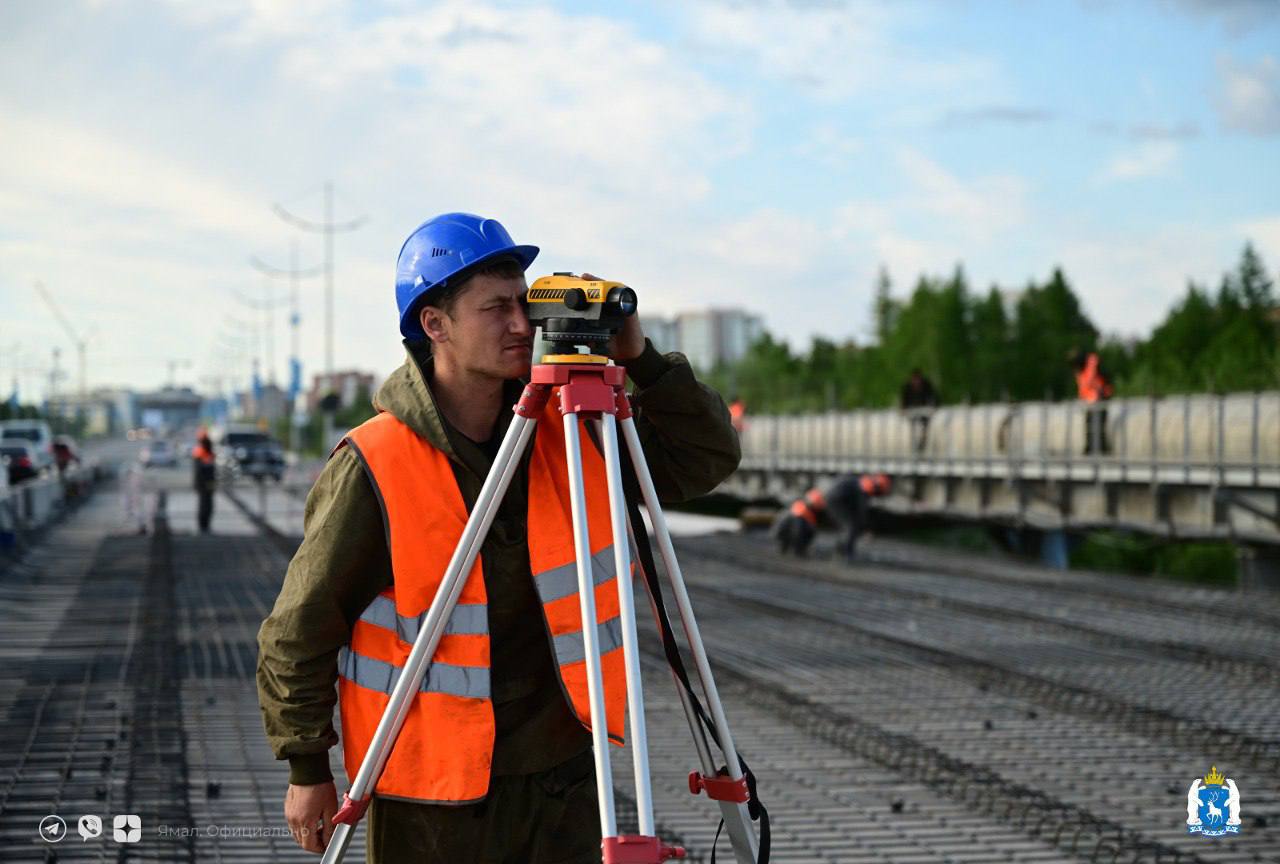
[(917, 707)]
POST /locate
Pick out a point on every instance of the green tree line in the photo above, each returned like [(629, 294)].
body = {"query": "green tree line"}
[(1004, 345)]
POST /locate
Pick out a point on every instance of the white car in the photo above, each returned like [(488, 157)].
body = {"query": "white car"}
[(34, 432)]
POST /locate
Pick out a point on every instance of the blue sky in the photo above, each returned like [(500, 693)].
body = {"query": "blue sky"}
[(772, 155)]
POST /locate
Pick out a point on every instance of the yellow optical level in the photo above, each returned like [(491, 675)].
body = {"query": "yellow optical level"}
[(573, 311), (557, 287)]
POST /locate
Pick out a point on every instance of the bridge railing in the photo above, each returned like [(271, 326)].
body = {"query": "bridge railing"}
[(1201, 439), (30, 505)]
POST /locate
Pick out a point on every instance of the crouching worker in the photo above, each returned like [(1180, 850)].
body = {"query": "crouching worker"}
[(843, 503), (494, 762)]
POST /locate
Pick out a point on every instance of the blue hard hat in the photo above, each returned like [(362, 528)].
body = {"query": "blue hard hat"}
[(442, 249)]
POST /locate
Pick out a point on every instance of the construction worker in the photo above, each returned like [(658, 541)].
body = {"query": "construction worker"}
[(917, 400), (738, 414), (1093, 388), (205, 480), (494, 761), (844, 502)]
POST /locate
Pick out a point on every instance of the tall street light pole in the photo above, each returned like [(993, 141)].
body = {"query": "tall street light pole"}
[(293, 274), (327, 228)]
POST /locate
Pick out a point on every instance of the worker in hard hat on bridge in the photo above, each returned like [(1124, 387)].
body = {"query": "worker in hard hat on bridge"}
[(494, 761), (844, 502)]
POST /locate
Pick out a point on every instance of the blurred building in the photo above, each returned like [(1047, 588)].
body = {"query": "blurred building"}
[(706, 336), (267, 402), (664, 333), (351, 386), (102, 411), (169, 409), (709, 337)]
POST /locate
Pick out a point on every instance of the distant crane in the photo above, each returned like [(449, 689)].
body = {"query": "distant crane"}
[(80, 340)]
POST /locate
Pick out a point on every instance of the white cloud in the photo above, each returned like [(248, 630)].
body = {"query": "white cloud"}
[(1249, 95), (1128, 281), (978, 209), (453, 107), (48, 159), (633, 111), (829, 147), (1265, 234), (1149, 159), (831, 49)]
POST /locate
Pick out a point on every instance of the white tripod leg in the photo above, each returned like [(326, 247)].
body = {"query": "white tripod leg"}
[(627, 613), (433, 626), (736, 819), (590, 640)]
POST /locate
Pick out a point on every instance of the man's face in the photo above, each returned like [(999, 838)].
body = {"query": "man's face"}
[(488, 331)]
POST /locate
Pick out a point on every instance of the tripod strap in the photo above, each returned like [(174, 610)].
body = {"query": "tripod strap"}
[(671, 649)]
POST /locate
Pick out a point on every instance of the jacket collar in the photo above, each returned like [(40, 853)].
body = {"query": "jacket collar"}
[(407, 396)]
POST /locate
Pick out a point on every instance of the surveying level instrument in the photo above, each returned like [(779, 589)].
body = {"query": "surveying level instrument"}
[(588, 387), (574, 311)]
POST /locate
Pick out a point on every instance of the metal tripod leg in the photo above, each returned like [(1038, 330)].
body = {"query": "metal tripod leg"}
[(424, 646), (590, 633), (627, 612), (736, 818)]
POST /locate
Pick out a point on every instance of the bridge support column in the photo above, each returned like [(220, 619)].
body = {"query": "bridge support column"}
[(1054, 549), (1259, 567)]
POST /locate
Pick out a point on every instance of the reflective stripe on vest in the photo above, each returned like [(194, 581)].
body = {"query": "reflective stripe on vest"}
[(471, 682), (572, 648), (562, 581), (445, 748), (470, 618)]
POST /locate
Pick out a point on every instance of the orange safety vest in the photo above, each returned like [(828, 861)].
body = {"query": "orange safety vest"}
[(737, 413), (445, 748), (808, 507), (1091, 385), (200, 454)]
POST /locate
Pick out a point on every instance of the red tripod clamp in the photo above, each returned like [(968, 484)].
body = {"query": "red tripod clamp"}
[(719, 787), (351, 811), (638, 849), (585, 388), (532, 401)]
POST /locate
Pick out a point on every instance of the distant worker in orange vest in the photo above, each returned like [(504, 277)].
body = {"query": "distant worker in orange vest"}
[(737, 413), (1093, 387), (845, 503), (494, 761), (205, 480)]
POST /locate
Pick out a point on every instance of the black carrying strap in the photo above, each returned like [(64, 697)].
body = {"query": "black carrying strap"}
[(671, 648)]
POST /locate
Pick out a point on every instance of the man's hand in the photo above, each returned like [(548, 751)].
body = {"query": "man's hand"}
[(627, 343), (309, 811)]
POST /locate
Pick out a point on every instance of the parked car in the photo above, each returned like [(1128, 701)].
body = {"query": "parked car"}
[(250, 453), (158, 454), (36, 433), (20, 459)]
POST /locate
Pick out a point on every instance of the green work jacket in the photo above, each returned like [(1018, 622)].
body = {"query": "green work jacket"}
[(343, 562)]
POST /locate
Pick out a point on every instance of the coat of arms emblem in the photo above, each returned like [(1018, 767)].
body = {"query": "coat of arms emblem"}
[(1213, 805)]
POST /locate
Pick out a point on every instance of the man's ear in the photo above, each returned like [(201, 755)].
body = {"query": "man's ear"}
[(434, 323)]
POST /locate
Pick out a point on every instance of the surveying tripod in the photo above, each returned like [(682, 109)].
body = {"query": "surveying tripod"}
[(590, 387)]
